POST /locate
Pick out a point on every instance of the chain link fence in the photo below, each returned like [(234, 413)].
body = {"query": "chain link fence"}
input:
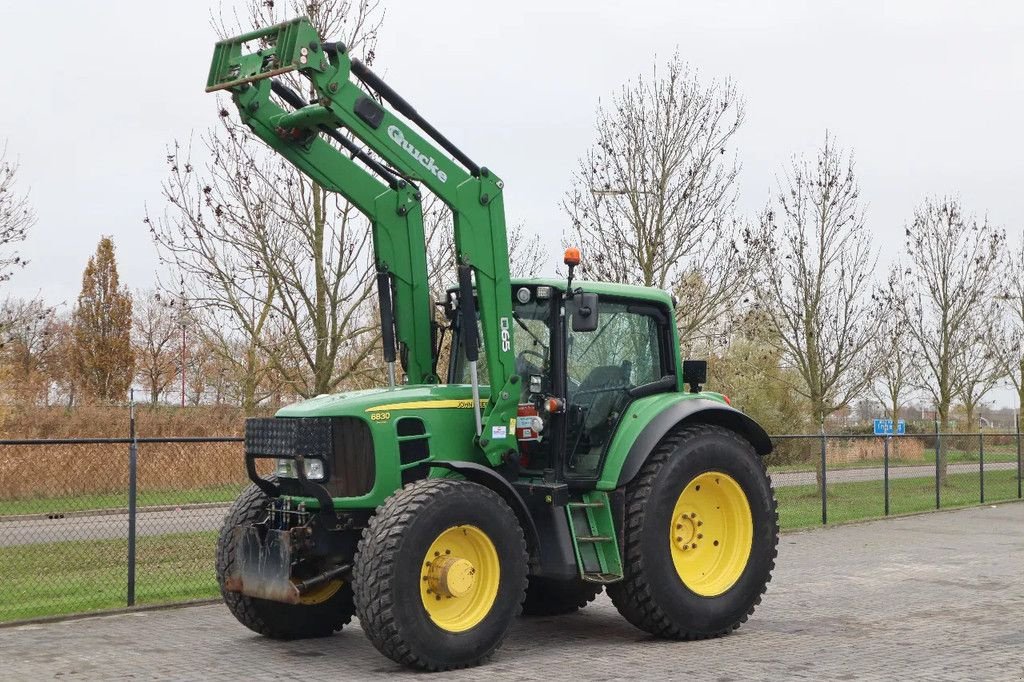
[(104, 523), (823, 478), (92, 524)]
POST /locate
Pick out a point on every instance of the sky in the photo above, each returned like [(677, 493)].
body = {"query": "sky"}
[(927, 94)]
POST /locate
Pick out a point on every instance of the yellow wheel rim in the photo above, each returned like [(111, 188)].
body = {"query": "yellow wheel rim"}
[(459, 578), (711, 533)]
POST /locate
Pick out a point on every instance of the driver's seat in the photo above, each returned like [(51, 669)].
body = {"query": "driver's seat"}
[(600, 403)]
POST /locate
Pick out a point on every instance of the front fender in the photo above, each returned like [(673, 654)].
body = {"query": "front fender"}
[(648, 420), (489, 478)]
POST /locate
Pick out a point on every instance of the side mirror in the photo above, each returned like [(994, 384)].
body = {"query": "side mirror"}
[(695, 373), (584, 319)]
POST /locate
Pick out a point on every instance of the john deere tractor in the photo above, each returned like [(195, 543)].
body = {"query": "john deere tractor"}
[(576, 453)]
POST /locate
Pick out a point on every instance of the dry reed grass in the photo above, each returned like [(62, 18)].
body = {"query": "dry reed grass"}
[(863, 449)]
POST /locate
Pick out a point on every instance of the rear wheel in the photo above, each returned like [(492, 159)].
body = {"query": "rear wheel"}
[(321, 612), (440, 574), (550, 597), (701, 530)]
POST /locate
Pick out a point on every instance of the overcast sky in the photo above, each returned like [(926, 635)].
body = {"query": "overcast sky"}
[(928, 94)]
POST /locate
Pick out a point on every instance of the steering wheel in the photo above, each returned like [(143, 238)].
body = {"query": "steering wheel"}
[(537, 354), (526, 368)]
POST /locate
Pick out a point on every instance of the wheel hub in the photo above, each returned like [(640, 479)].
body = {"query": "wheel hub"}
[(711, 533), (451, 576), (459, 578), (685, 530)]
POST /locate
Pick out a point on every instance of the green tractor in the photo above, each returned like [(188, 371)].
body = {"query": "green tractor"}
[(577, 453)]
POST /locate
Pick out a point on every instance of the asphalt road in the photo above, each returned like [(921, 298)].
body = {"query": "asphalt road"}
[(931, 597), (104, 526), (114, 524)]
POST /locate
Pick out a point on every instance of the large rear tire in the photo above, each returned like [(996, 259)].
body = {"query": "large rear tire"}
[(440, 574), (550, 597), (334, 604), (701, 530)]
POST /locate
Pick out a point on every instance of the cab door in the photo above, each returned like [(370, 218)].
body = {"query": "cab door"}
[(628, 348)]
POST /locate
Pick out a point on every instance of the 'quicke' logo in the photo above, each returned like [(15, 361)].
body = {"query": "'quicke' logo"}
[(396, 134)]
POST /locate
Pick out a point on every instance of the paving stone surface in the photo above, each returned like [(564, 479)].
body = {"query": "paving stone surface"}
[(932, 597)]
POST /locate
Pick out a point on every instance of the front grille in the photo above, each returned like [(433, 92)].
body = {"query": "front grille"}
[(344, 443), (353, 467)]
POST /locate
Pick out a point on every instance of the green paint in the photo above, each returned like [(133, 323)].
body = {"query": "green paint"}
[(594, 539)]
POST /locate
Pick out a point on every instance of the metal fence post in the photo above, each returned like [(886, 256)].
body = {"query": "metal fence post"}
[(981, 465), (133, 457), (885, 468), (1017, 420), (824, 474), (938, 457)]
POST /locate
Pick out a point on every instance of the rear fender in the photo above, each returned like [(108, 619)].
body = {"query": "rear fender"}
[(648, 420)]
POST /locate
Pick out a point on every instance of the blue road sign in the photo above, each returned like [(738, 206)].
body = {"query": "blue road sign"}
[(883, 427)]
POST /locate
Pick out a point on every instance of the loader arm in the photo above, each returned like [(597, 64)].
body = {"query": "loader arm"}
[(393, 204)]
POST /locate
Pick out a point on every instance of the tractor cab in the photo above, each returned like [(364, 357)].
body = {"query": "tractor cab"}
[(577, 379)]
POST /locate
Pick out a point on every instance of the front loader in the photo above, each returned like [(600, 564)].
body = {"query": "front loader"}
[(576, 453)]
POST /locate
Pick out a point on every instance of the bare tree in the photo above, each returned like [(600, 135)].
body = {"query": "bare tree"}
[(258, 243), (653, 201), (898, 369), (29, 348), (156, 331), (816, 286), (983, 367), (16, 217), (951, 283), (1011, 303)]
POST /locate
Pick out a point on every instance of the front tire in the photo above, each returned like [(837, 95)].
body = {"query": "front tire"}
[(440, 574), (701, 530), (332, 611)]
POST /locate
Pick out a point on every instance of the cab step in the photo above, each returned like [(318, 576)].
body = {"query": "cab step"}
[(593, 538)]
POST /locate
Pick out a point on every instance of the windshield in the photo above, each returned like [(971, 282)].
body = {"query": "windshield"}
[(531, 339)]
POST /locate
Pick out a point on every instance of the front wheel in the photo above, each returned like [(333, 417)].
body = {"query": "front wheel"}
[(440, 574), (701, 530)]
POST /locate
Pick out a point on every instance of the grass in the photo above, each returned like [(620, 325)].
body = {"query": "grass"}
[(74, 577), (800, 506), (70, 503), (81, 576)]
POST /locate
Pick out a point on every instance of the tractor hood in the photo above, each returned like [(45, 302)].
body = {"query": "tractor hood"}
[(376, 400)]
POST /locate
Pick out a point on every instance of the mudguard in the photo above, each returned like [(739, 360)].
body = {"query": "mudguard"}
[(489, 478), (648, 420)]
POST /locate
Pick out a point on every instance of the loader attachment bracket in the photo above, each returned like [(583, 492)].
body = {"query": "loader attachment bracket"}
[(281, 48)]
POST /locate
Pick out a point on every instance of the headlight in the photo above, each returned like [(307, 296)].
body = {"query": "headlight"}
[(314, 469), (285, 468)]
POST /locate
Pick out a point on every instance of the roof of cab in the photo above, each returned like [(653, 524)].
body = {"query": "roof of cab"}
[(599, 288)]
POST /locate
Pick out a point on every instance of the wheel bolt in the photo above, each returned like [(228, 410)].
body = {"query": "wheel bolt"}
[(700, 523), (699, 536), (694, 545), (693, 515)]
